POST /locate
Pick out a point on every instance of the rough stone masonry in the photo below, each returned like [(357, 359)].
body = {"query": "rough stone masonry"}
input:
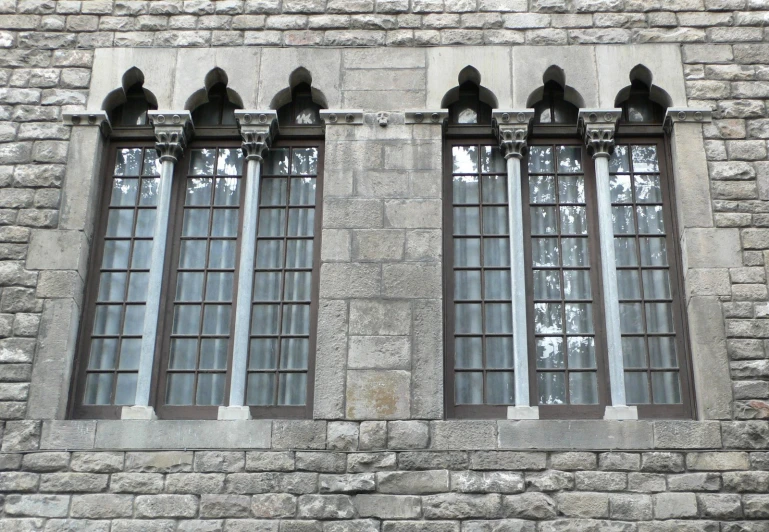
[(364, 464)]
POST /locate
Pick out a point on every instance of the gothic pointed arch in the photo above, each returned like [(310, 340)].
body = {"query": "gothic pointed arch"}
[(215, 104), (469, 103), (642, 102), (128, 105), (555, 103)]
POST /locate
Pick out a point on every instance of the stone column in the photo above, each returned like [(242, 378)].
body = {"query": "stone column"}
[(172, 130), (512, 129), (257, 128), (598, 126)]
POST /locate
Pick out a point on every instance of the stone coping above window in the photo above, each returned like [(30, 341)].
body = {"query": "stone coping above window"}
[(402, 435)]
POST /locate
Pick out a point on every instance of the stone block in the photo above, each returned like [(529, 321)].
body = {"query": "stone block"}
[(694, 482), (427, 360), (717, 461), (344, 280), (273, 505), (219, 461), (461, 505), (379, 352), (600, 481), (541, 434), (159, 462), (101, 506), (170, 506), (756, 506), (424, 460), (378, 394), (37, 505), (662, 462), (342, 436), (384, 183), (591, 505), (363, 462), (413, 213), (491, 460), (745, 435), (708, 282), (674, 505), (687, 435), (195, 483), (44, 462), (321, 461), (330, 360), (378, 245), (373, 435), (298, 434), (182, 434), (342, 213), (408, 435), (487, 482), (21, 436), (352, 483), (336, 246), (630, 507), (412, 280), (536, 506), (424, 245), (380, 317), (140, 483), (325, 507), (619, 461), (97, 462), (413, 482), (459, 435), (573, 460), (388, 506), (68, 435)]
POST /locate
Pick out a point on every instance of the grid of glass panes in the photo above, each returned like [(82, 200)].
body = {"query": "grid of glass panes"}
[(118, 320), (483, 329), (563, 309), (280, 321), (643, 277), (197, 362)]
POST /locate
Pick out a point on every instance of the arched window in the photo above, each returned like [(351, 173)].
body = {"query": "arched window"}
[(301, 110), (553, 107), (469, 109), (218, 110), (132, 112), (639, 108)]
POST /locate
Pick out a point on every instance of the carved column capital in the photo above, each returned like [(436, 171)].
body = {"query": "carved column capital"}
[(258, 129), (598, 126), (512, 128), (172, 131)]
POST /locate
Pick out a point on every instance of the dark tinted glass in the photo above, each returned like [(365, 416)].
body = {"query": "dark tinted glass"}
[(301, 110), (553, 108), (217, 111)]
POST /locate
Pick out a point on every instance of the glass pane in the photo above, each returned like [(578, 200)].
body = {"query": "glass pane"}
[(542, 189), (465, 189), (621, 191), (221, 254), (273, 191), (301, 222), (198, 191), (299, 254), (625, 252), (186, 319), (189, 286), (216, 319), (467, 252), (195, 222), (151, 163), (656, 284), (618, 162), (495, 221), (264, 319), (296, 319), (547, 284), (628, 286), (192, 254), (468, 388), (115, 254), (103, 353), (145, 223), (128, 161), (581, 352), (540, 160), (261, 389), (263, 354), (653, 251), (298, 286), (543, 221), (500, 388), (569, 159), (666, 388), (98, 389), (202, 162), (583, 388), (184, 353), (467, 318), (499, 352), (107, 319), (302, 191), (634, 351), (219, 286), (133, 325), (465, 159), (125, 391), (547, 318), (304, 161), (112, 286), (467, 284), (650, 220), (551, 388), (137, 286), (499, 318), (466, 221), (225, 223), (576, 284), (579, 318), (272, 222), (636, 390), (124, 192), (180, 389), (496, 252), (659, 317), (130, 350), (269, 254), (210, 389), (120, 222), (230, 161), (276, 162), (492, 161), (662, 352), (294, 353), (647, 189), (468, 353), (292, 388), (497, 285), (575, 252), (149, 193), (645, 159), (550, 353), (267, 286), (494, 189), (623, 220), (631, 318), (571, 189), (573, 221), (227, 191)]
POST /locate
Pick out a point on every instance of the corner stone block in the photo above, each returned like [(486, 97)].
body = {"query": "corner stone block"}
[(427, 360), (58, 250), (330, 360), (380, 318), (687, 435), (378, 394), (80, 189), (691, 177), (712, 248)]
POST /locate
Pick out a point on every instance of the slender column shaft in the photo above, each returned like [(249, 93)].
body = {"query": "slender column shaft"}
[(518, 280), (245, 281), (609, 275), (154, 284)]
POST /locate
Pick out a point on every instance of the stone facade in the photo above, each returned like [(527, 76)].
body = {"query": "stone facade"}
[(378, 455)]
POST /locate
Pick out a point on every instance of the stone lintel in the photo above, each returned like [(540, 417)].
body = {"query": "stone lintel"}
[(234, 413), (522, 412), (343, 117), (146, 413), (426, 116), (620, 412), (88, 118)]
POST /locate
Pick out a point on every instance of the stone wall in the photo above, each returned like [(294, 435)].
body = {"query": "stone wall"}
[(380, 281)]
